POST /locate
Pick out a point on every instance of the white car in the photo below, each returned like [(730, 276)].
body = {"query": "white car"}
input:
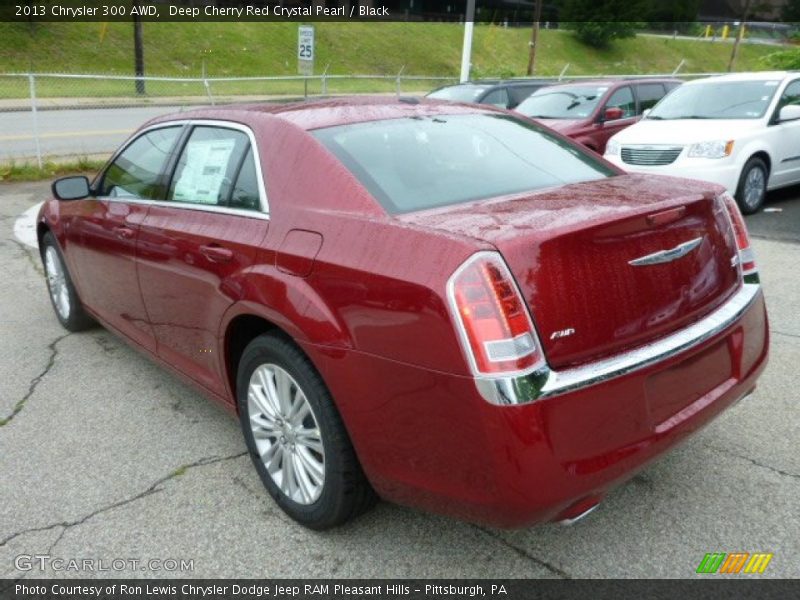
[(741, 131)]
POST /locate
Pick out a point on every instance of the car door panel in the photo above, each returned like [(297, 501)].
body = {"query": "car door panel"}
[(621, 98), (191, 264), (103, 232), (196, 247), (786, 141), (104, 242)]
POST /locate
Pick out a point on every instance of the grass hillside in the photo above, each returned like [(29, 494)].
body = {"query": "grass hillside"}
[(249, 49)]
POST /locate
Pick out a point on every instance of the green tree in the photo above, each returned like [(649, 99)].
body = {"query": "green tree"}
[(791, 11), (673, 14), (598, 22)]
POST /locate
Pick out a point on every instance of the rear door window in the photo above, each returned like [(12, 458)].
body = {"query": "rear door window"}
[(245, 192), (208, 166), (136, 172), (649, 95)]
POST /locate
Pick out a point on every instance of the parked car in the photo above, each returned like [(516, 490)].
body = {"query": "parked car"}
[(741, 131), (592, 111), (443, 305), (499, 93)]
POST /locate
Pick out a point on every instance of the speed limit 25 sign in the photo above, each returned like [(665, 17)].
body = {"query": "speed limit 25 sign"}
[(305, 50)]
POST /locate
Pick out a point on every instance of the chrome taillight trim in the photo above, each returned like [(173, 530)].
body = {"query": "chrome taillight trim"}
[(463, 338), (544, 382)]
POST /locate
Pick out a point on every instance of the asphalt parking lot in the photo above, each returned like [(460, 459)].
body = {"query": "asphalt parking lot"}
[(104, 455)]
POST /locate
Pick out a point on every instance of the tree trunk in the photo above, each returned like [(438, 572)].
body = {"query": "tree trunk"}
[(534, 37), (739, 35)]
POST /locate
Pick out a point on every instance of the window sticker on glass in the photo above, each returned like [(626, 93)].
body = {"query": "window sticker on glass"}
[(206, 165)]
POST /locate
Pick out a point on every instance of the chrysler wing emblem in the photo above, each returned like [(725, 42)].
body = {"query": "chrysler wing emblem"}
[(664, 256)]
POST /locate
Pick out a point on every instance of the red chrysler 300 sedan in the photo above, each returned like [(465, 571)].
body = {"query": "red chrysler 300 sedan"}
[(445, 306)]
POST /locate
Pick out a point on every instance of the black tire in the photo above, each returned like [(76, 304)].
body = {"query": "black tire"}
[(345, 492), (74, 317), (749, 204)]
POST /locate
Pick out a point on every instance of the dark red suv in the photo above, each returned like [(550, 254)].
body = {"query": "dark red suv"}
[(590, 112)]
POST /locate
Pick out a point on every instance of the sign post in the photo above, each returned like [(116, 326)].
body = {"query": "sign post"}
[(305, 49)]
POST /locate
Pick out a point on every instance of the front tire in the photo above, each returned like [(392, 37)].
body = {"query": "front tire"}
[(296, 438), (752, 188), (63, 295)]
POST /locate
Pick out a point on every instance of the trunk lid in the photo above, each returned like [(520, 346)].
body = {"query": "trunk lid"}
[(571, 248)]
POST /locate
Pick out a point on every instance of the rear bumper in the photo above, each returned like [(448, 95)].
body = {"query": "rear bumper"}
[(547, 382), (431, 439)]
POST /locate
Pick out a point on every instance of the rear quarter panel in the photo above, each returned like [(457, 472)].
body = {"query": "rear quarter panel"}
[(376, 286)]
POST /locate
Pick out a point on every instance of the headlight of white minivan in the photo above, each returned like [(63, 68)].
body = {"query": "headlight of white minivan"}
[(716, 149), (612, 147)]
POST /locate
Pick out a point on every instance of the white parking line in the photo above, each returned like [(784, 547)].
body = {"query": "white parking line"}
[(25, 226)]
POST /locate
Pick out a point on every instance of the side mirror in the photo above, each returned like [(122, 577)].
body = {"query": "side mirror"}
[(612, 114), (790, 112), (645, 112), (71, 188)]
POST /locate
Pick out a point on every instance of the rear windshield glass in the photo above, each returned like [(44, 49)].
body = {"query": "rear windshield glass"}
[(717, 100), (459, 93), (418, 163), (563, 102)]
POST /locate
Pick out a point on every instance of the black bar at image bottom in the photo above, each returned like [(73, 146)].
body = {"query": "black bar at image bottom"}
[(343, 589)]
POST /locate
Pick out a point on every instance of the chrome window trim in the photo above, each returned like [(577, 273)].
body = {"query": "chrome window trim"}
[(262, 213), (545, 382), (225, 210)]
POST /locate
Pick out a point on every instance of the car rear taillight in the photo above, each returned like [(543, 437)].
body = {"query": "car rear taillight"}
[(746, 255), (494, 324)]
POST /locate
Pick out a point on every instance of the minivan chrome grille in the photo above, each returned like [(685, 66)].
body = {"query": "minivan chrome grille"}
[(650, 156)]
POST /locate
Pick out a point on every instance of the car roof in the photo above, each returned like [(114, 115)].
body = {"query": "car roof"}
[(511, 82), (316, 114), (616, 82), (749, 76)]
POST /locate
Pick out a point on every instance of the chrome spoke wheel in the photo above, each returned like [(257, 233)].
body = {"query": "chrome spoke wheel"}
[(57, 282), (286, 433), (754, 187)]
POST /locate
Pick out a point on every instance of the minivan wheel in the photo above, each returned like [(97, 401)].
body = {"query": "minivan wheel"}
[(752, 188), (63, 296), (295, 436)]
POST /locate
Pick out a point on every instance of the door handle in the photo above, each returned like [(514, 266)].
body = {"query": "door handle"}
[(216, 253), (124, 233)]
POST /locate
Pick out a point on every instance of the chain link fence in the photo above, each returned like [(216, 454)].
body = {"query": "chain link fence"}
[(53, 115), (66, 116)]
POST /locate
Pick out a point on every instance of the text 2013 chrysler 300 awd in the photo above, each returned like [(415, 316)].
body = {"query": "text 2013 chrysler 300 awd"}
[(447, 306)]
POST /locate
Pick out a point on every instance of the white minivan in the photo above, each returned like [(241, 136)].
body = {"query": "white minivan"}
[(741, 131)]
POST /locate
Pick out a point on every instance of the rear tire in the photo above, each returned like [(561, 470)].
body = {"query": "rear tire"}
[(63, 295), (752, 189), (296, 438)]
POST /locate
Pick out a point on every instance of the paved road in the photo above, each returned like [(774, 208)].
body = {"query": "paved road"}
[(781, 219), (108, 456), (71, 132)]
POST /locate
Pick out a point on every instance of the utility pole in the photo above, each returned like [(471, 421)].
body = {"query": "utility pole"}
[(138, 51), (534, 37), (466, 51), (739, 35)]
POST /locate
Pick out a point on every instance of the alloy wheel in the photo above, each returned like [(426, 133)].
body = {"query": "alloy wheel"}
[(286, 433), (754, 187), (57, 282)]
